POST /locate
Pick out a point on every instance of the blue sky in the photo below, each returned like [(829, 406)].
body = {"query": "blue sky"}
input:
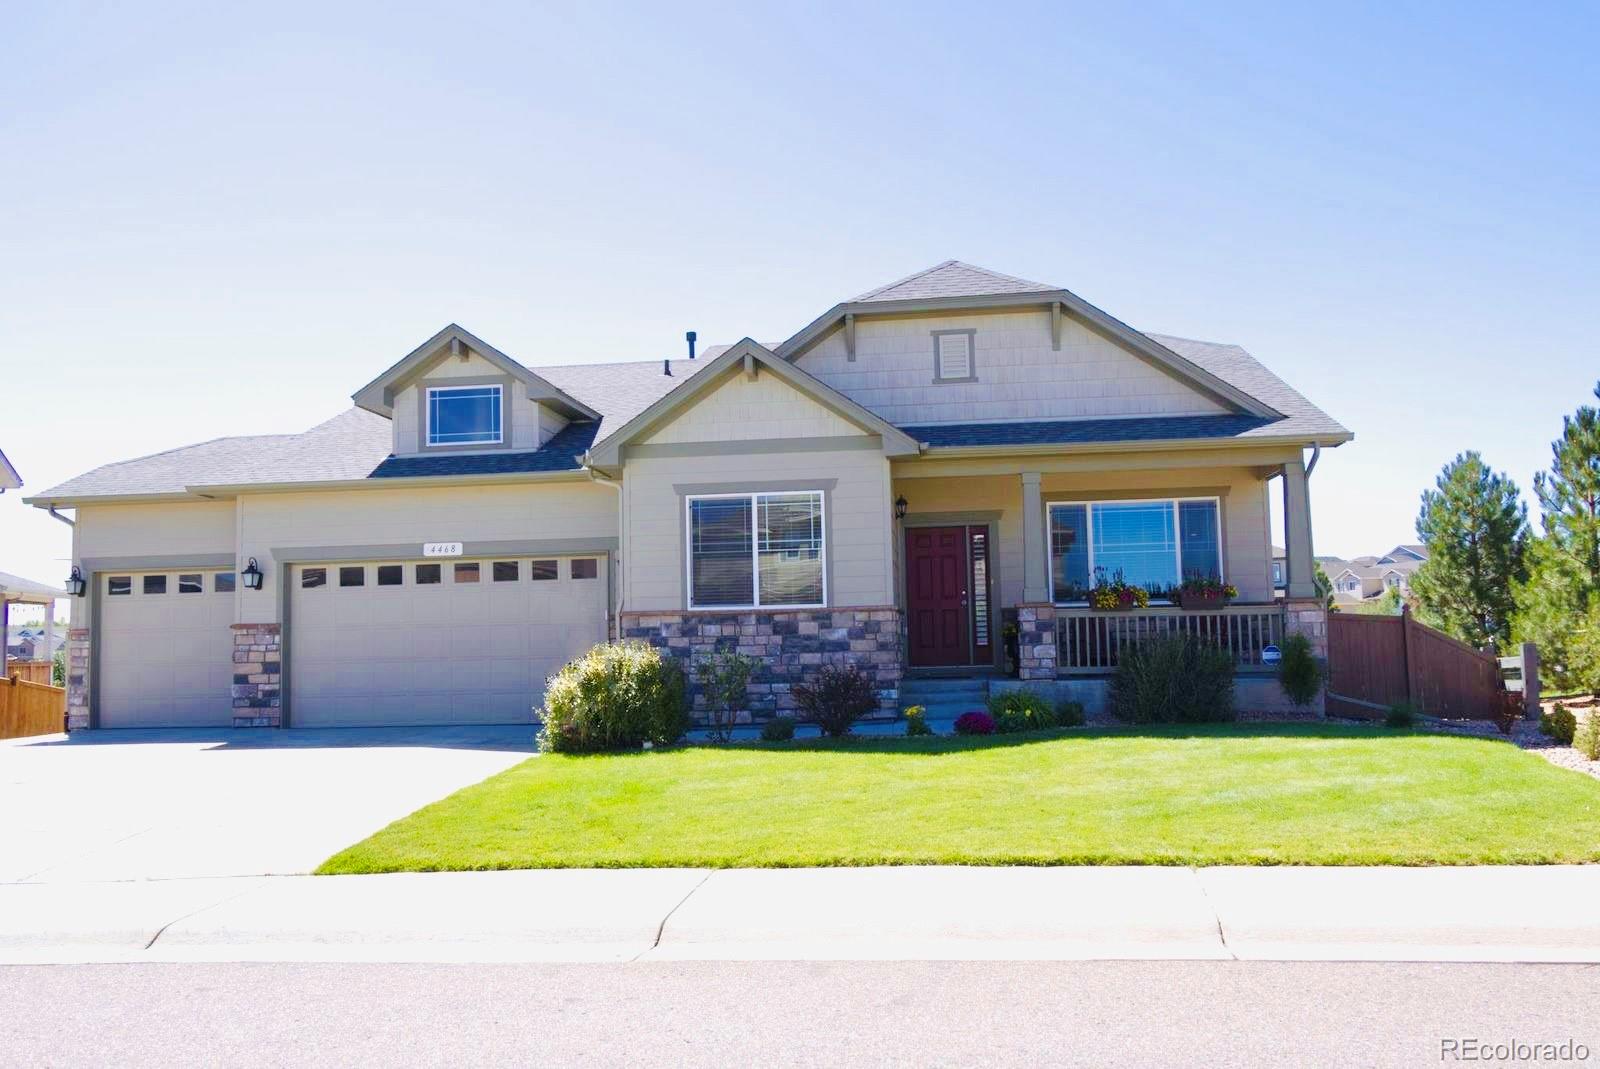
[(225, 221)]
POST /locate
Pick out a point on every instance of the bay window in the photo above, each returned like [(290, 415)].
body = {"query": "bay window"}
[(1155, 545), (757, 550)]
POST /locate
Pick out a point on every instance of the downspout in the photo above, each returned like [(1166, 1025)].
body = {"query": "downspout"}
[(622, 524), (63, 519), (1316, 455)]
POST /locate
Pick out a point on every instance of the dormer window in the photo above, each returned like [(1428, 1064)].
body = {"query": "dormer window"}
[(465, 415)]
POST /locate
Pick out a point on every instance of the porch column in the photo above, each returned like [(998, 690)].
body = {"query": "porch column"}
[(1035, 575), (1301, 580)]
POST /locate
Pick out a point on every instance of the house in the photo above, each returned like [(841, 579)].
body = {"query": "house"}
[(911, 478), (33, 643), (26, 644), (1368, 578), (9, 479)]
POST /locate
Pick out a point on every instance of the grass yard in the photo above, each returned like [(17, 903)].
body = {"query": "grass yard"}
[(1234, 794)]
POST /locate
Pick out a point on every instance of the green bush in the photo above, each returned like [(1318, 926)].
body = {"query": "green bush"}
[(778, 729), (1559, 724), (917, 721), (1070, 714), (617, 696), (1400, 715), (1176, 679), (1021, 710), (724, 678), (836, 697), (1586, 736), (1299, 674)]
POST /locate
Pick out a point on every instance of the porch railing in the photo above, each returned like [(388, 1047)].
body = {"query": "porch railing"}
[(1091, 641)]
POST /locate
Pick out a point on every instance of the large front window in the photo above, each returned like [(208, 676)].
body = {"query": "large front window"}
[(1151, 544), (756, 550), (464, 415)]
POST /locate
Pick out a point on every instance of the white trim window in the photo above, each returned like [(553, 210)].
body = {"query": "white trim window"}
[(465, 415), (1155, 544), (759, 550)]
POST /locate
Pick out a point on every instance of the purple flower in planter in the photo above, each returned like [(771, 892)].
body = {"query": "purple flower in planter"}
[(974, 724)]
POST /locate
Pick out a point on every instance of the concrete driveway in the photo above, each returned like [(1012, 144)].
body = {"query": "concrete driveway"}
[(144, 805)]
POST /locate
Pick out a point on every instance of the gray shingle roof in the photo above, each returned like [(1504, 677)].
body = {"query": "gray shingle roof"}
[(561, 453), (1233, 365), (13, 587), (952, 279), (1082, 431)]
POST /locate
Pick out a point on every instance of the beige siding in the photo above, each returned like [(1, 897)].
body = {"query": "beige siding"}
[(859, 520), (550, 424), (155, 530), (1019, 375), (745, 410), (561, 510)]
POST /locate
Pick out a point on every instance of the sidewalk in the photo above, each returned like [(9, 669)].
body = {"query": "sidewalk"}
[(1327, 914)]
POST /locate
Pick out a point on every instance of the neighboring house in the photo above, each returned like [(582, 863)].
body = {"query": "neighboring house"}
[(911, 474), (9, 479), (34, 644), (1368, 578), (1280, 568), (15, 590)]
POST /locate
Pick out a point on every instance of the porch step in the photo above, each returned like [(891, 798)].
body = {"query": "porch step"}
[(944, 698)]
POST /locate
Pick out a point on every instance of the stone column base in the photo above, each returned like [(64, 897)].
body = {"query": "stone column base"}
[(257, 676), (78, 679), (1037, 651)]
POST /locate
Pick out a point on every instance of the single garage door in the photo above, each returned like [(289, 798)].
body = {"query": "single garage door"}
[(436, 642), (166, 649)]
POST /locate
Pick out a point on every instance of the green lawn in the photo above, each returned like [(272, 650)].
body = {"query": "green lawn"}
[(1237, 794)]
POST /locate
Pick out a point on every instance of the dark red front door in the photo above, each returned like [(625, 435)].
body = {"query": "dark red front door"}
[(937, 602)]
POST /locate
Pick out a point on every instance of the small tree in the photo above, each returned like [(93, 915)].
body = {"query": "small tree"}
[(1298, 671), (836, 697), (725, 678), (1476, 529), (1323, 586)]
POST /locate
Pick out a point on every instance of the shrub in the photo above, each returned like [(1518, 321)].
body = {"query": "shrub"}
[(836, 697), (1508, 710), (725, 677), (1401, 715), (917, 721), (1070, 714), (1559, 724), (778, 729), (1586, 736), (974, 724), (617, 696), (1173, 679), (1298, 671), (1021, 710)]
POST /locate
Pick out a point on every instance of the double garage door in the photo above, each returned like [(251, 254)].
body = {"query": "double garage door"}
[(436, 642)]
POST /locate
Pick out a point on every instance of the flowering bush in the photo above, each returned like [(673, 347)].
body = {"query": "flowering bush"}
[(1118, 595), (1208, 586), (917, 721), (974, 724)]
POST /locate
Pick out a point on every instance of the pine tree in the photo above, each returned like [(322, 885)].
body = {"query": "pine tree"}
[(1476, 529)]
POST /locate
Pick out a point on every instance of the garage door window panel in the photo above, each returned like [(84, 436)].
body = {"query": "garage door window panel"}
[(191, 584), (391, 574), (506, 571), (313, 577), (428, 574), (542, 570), (119, 585), (356, 576), (223, 582), (585, 568), (155, 584), (467, 573)]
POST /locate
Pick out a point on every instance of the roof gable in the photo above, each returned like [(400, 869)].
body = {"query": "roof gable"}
[(952, 279), (379, 394), (9, 479), (746, 357)]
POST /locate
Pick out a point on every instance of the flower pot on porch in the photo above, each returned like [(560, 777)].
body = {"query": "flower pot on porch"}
[(1194, 601)]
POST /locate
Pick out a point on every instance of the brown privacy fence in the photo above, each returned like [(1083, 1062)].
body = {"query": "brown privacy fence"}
[(30, 708), (31, 671), (1378, 661)]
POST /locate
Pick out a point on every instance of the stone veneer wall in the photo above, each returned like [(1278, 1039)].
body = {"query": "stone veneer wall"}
[(1308, 617), (78, 679), (1037, 652), (257, 676), (791, 645)]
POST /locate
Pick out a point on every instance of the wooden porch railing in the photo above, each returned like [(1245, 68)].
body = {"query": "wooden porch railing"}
[(1091, 641), (30, 708)]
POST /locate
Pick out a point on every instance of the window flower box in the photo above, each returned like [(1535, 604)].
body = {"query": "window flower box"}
[(1200, 595)]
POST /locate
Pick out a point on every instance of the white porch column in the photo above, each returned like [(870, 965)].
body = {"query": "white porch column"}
[(1035, 575), (1301, 580)]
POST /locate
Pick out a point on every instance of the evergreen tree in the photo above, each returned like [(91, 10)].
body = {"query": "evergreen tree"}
[(1476, 529)]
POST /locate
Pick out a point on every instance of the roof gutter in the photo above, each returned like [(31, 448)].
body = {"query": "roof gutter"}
[(1142, 446)]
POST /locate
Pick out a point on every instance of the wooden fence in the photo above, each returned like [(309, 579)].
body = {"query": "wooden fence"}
[(30, 708), (1378, 661), (31, 671)]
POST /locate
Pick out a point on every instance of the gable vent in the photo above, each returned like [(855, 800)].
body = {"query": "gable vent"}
[(953, 355)]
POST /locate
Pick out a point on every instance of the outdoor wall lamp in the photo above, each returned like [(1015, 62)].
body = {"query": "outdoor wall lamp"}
[(76, 583), (900, 507), (252, 575)]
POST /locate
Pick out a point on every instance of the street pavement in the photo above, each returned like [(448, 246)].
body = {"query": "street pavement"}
[(1099, 1014)]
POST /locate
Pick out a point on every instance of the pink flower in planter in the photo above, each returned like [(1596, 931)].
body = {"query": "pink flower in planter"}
[(974, 724)]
